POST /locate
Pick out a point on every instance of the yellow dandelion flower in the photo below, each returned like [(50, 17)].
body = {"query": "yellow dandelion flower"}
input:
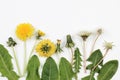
[(45, 48), (24, 31)]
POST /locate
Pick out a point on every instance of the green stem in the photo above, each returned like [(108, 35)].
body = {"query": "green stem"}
[(33, 48), (72, 55), (76, 77), (25, 58), (16, 61)]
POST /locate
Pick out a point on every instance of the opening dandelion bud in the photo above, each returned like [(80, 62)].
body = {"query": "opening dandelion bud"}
[(40, 34), (58, 48)]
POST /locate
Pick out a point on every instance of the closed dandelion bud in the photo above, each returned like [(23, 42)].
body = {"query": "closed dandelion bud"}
[(58, 48), (70, 42), (11, 42)]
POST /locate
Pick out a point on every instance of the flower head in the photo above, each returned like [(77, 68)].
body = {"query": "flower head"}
[(11, 42), (70, 42), (85, 35), (99, 31), (40, 34), (45, 48), (24, 31), (108, 45)]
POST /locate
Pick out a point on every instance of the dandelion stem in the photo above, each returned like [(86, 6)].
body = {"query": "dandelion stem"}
[(94, 43), (72, 55), (16, 61), (84, 56), (101, 59), (76, 77), (33, 48), (25, 58)]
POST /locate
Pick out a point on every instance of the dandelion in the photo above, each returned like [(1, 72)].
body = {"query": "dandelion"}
[(84, 35), (24, 31), (45, 48), (107, 46)]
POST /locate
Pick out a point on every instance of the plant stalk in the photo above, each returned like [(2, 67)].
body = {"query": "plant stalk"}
[(25, 58), (16, 61), (94, 43), (84, 56), (72, 55), (33, 48)]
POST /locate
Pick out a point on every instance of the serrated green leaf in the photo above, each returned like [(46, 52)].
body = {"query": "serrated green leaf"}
[(77, 60), (108, 70), (65, 68), (6, 66), (88, 78), (33, 68), (50, 71)]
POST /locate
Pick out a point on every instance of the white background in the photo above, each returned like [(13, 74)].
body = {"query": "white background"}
[(60, 17)]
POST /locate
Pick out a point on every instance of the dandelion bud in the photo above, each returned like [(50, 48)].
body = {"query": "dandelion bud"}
[(58, 48), (11, 42), (70, 42)]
